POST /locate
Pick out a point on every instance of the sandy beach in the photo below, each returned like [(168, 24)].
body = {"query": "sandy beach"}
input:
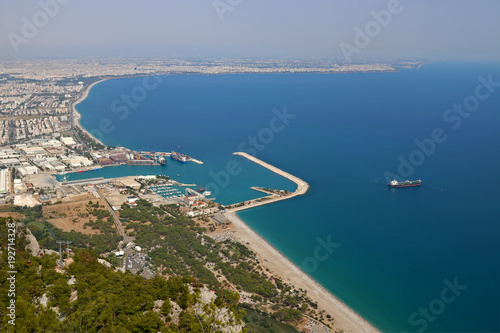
[(345, 318), (77, 116)]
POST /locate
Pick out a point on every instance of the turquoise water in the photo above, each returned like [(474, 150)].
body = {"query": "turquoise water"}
[(395, 248)]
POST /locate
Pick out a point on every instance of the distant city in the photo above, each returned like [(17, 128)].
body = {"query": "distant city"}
[(36, 95)]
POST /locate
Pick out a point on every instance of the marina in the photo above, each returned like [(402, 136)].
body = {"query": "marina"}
[(168, 191)]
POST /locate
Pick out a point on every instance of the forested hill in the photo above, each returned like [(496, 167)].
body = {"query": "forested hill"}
[(184, 262), (86, 296)]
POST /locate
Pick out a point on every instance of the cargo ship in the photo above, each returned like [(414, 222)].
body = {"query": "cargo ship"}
[(180, 157), (406, 183)]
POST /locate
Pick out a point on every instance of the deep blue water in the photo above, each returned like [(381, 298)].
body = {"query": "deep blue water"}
[(397, 247)]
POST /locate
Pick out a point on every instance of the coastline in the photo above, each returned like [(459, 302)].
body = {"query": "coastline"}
[(77, 116), (279, 265), (345, 318)]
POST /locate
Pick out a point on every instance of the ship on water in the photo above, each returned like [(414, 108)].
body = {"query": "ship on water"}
[(406, 183), (162, 160), (204, 191), (180, 157)]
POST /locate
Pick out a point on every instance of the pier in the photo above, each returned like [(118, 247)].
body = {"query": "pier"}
[(161, 153), (142, 162), (152, 154), (302, 186), (87, 181), (195, 160)]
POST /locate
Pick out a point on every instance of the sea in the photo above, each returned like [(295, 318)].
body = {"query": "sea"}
[(420, 259)]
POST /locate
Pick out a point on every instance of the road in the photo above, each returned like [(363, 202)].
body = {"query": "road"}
[(117, 220)]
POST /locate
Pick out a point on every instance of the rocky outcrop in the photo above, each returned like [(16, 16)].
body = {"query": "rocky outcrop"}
[(33, 245), (104, 262)]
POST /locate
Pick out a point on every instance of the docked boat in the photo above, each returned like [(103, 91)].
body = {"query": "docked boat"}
[(179, 157), (406, 183)]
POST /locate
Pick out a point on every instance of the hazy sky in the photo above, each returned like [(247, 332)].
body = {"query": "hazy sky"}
[(451, 29)]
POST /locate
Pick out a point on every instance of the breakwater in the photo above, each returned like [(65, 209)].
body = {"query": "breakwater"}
[(302, 186)]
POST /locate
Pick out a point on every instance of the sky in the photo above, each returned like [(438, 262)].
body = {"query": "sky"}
[(332, 29)]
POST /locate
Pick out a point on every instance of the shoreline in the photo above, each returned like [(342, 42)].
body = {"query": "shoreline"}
[(344, 317), (77, 116)]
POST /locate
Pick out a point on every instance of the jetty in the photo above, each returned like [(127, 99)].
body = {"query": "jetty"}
[(195, 160), (302, 186)]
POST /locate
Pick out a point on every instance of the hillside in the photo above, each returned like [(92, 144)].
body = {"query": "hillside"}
[(198, 285)]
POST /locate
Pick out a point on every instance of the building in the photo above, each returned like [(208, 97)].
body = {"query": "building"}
[(132, 199), (76, 161), (220, 219), (27, 170), (4, 181), (199, 204), (8, 153), (190, 199), (68, 141), (10, 162), (44, 197), (207, 211), (34, 152)]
